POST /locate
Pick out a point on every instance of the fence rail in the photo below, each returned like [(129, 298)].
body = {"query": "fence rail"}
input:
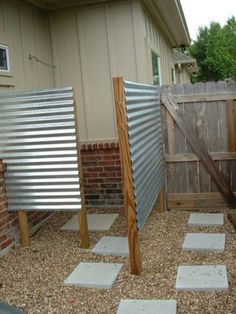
[(210, 110)]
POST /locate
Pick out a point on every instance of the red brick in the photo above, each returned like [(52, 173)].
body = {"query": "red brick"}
[(92, 186), (109, 186), (111, 157), (112, 168), (88, 152), (3, 237), (93, 191), (6, 243), (88, 163), (92, 197), (95, 180), (94, 169), (90, 174), (107, 163), (107, 174)]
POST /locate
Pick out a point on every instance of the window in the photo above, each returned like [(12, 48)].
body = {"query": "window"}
[(173, 76), (155, 68), (4, 59)]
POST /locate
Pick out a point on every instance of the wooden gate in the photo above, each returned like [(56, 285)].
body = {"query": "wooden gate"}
[(209, 111)]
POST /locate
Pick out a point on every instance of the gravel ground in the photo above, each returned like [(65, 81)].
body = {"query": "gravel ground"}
[(32, 279)]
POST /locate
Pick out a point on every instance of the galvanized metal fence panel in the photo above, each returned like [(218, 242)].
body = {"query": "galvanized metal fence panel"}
[(38, 144), (146, 146)]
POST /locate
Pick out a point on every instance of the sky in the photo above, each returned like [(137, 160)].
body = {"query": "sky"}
[(202, 12)]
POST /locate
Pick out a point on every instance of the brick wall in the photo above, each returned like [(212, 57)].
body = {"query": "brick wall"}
[(9, 229), (102, 186), (102, 175)]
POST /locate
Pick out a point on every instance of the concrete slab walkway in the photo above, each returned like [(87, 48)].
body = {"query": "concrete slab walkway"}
[(214, 242), (94, 275), (211, 220), (147, 307), (9, 309), (96, 222), (115, 246), (202, 278)]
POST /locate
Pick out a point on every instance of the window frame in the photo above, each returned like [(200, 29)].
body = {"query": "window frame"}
[(173, 75), (6, 48), (154, 52)]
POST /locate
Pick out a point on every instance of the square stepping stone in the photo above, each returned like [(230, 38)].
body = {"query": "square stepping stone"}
[(96, 222), (117, 246), (6, 308), (147, 307), (204, 242), (210, 220), (202, 278), (94, 275)]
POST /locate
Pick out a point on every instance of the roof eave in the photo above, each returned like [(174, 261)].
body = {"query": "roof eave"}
[(172, 21)]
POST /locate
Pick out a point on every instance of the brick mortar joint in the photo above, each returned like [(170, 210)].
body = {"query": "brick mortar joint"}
[(95, 146)]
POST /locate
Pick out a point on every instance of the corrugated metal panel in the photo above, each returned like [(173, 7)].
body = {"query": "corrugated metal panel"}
[(146, 147), (38, 144)]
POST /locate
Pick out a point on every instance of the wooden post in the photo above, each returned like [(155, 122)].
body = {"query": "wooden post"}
[(82, 215), (170, 133), (231, 125), (129, 198), (161, 201), (24, 228)]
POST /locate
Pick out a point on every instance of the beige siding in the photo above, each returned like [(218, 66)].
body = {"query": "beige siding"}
[(90, 46), (25, 29), (154, 40), (183, 75)]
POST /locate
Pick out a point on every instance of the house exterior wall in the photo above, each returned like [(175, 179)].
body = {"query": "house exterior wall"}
[(92, 44), (25, 29), (154, 40), (98, 43), (183, 75)]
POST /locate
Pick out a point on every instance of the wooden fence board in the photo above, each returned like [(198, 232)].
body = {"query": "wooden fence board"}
[(199, 148), (211, 98), (201, 103)]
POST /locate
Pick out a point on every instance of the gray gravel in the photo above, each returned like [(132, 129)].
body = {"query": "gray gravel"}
[(32, 279)]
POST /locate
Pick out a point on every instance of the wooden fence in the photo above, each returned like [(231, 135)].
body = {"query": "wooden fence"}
[(210, 111)]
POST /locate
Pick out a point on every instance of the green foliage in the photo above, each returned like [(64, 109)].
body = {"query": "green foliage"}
[(215, 52)]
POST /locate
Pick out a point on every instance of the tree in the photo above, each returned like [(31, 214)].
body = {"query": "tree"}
[(215, 52)]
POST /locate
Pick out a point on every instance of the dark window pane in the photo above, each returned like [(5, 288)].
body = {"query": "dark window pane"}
[(155, 69), (173, 75), (3, 59)]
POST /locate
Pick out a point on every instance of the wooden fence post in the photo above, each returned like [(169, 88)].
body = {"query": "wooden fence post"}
[(231, 125), (82, 215), (24, 228), (129, 198), (161, 201)]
